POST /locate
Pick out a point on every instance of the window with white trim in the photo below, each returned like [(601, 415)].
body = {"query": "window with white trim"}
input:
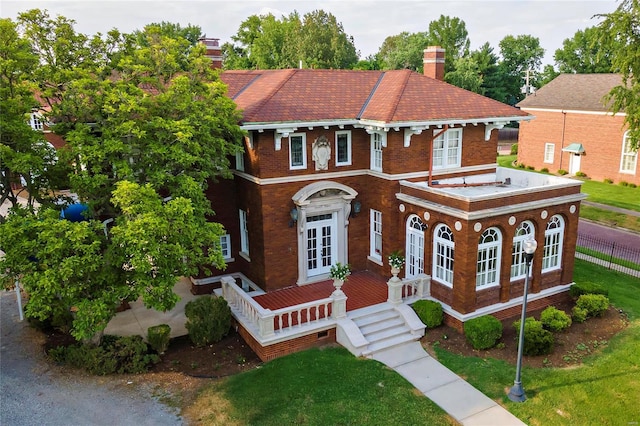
[(240, 161), (489, 256), (443, 254), (343, 148), (35, 121), (244, 233), (376, 151), (553, 239), (375, 250), (629, 158), (225, 246), (549, 152), (447, 149), (297, 151), (524, 231)]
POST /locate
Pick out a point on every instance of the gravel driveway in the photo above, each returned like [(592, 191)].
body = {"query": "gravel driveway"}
[(32, 392)]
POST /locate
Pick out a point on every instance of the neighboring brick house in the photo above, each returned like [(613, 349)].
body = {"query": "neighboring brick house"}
[(574, 130), (348, 166)]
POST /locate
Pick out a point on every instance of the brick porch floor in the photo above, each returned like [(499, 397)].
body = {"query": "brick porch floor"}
[(362, 289)]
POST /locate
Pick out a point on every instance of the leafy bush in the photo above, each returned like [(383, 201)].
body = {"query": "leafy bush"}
[(537, 340), (530, 168), (623, 183), (158, 337), (581, 174), (554, 319), (544, 170), (521, 165), (579, 314), (633, 185), (429, 312), (595, 304), (514, 149), (578, 289), (562, 172), (115, 354), (483, 332), (609, 181), (208, 319)]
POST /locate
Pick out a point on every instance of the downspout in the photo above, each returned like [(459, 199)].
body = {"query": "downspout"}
[(446, 127), (564, 119)]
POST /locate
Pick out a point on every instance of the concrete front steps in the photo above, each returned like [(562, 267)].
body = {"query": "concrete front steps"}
[(379, 327)]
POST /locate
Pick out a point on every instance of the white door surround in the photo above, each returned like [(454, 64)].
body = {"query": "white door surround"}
[(414, 247), (324, 238), (574, 163)]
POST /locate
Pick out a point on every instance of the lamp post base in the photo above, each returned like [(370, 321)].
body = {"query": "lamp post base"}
[(516, 393)]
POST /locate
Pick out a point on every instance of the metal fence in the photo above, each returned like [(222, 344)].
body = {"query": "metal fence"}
[(609, 254)]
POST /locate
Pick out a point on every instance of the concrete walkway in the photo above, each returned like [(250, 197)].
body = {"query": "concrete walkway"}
[(458, 398)]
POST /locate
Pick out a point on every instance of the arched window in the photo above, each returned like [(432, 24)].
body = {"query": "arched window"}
[(414, 247), (443, 254), (524, 231), (553, 238), (489, 252)]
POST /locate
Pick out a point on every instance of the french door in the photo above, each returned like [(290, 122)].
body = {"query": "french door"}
[(321, 248), (415, 248)]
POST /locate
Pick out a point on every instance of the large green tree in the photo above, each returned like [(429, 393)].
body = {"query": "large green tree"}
[(451, 34), (620, 32), (583, 54), (148, 126), (520, 55), (403, 51)]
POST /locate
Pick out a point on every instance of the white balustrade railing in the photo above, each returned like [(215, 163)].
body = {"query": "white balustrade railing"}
[(306, 313), (409, 290)]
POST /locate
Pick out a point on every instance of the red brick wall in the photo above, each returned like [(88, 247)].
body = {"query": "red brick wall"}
[(600, 135)]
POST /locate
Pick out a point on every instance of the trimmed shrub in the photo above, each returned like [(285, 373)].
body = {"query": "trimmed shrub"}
[(633, 185), (537, 340), (579, 314), (429, 312), (608, 180), (544, 170), (554, 319), (581, 174), (514, 149), (115, 354), (623, 183), (158, 337), (578, 289), (595, 304), (530, 168), (483, 332), (562, 172), (208, 320)]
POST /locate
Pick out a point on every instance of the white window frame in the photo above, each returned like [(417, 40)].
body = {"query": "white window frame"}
[(628, 157), (553, 242), (489, 258), (375, 235), (225, 247), (240, 161), (447, 149), (35, 121), (244, 234), (443, 255), (377, 142), (549, 152), (414, 247), (346, 162), (524, 232), (303, 137)]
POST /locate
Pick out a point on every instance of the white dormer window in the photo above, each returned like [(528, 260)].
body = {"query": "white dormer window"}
[(35, 121), (297, 151), (447, 149)]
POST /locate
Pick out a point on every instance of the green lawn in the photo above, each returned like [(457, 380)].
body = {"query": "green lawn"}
[(316, 387), (602, 391), (624, 197)]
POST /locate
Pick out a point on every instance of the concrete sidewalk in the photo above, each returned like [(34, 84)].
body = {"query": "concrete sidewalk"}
[(458, 398)]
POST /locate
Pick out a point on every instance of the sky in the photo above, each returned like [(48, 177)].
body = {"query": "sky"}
[(368, 22)]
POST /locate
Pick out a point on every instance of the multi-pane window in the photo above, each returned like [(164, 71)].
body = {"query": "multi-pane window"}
[(244, 233), (447, 149), (488, 264), (343, 148), (443, 254), (553, 238), (225, 246), (376, 151), (415, 247), (297, 151), (629, 159), (35, 121), (549, 151), (240, 161), (524, 232), (376, 235)]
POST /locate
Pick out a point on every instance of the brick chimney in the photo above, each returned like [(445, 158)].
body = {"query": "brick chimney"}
[(434, 62), (214, 52)]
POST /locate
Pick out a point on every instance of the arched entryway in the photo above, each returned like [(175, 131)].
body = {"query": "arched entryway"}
[(414, 247), (323, 221)]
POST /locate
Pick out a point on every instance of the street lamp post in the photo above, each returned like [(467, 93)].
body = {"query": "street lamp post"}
[(516, 394)]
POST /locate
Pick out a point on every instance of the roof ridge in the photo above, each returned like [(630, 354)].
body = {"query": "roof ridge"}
[(289, 73), (371, 93), (399, 94)]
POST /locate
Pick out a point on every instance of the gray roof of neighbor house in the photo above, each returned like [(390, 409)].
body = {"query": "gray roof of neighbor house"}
[(582, 92), (402, 97)]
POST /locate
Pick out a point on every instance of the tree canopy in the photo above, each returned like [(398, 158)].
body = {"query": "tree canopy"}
[(147, 127), (583, 54)]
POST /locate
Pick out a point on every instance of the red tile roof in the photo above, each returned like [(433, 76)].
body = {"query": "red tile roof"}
[(400, 96)]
